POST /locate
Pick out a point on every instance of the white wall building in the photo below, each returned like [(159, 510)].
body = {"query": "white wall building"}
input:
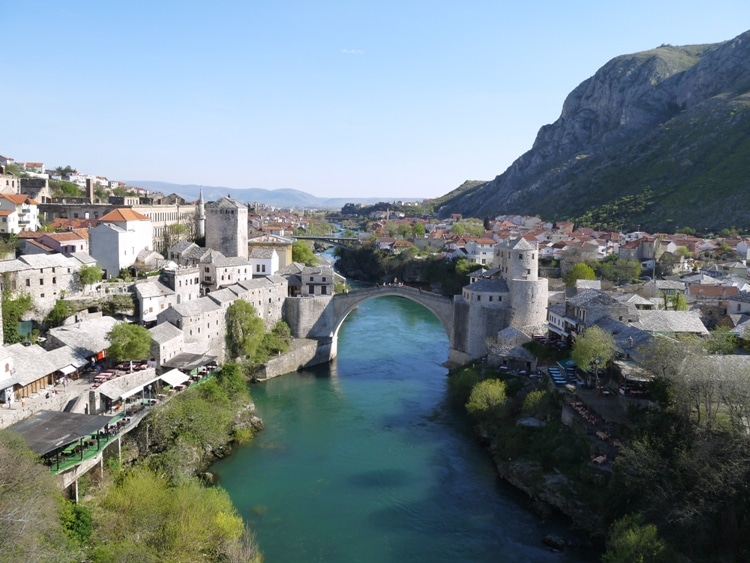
[(118, 239)]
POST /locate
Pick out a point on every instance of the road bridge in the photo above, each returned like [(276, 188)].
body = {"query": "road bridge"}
[(334, 240)]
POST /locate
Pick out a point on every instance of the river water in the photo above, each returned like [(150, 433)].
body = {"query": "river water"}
[(365, 460)]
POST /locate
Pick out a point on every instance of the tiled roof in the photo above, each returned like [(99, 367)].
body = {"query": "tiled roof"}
[(164, 332), (670, 322), (124, 215)]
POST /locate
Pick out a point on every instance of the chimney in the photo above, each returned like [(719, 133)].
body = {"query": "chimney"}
[(90, 189)]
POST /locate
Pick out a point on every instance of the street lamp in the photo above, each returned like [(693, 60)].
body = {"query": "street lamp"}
[(597, 361)]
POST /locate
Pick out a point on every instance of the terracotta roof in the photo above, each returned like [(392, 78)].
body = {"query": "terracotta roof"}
[(61, 223), (19, 199), (124, 214), (60, 237)]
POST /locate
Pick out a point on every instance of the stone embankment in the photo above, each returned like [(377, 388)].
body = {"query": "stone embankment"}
[(302, 353)]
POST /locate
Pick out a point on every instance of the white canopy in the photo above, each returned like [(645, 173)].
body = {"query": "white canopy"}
[(174, 377), (67, 370)]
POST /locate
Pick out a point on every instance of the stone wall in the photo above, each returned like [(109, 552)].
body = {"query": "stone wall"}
[(309, 317), (301, 354)]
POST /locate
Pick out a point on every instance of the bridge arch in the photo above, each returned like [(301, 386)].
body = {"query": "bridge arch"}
[(439, 305)]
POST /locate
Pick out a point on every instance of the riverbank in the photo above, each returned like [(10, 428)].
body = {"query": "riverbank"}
[(534, 451)]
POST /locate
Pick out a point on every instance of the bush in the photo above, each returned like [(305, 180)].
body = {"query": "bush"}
[(487, 399)]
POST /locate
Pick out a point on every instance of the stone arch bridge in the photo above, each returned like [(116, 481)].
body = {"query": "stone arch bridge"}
[(439, 305), (321, 319)]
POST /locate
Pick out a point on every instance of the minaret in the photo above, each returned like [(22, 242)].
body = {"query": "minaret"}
[(201, 213)]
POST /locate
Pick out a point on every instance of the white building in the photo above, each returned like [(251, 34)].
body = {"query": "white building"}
[(26, 209), (118, 239)]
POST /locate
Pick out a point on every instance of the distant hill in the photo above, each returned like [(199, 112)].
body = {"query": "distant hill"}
[(659, 139), (276, 198)]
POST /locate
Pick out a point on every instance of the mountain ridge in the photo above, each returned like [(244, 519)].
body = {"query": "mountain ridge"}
[(283, 197), (657, 139)]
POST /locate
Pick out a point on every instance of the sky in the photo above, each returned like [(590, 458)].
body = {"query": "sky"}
[(381, 98)]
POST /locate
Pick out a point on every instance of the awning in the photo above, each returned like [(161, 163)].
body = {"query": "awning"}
[(46, 431), (67, 370), (174, 377)]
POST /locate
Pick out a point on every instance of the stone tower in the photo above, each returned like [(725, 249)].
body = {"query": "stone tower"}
[(226, 227), (518, 261)]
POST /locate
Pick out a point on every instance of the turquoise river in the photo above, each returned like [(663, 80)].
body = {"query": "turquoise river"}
[(364, 460)]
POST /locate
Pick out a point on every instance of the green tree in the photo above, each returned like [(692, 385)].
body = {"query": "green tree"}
[(302, 252), (61, 311), (487, 399), (679, 303), (593, 350), (128, 342), (90, 274), (579, 271), (458, 229), (245, 330), (631, 540), (13, 310), (30, 503), (146, 518), (721, 341), (418, 229)]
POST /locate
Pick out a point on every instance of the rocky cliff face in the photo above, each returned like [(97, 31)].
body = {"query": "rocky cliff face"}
[(671, 123)]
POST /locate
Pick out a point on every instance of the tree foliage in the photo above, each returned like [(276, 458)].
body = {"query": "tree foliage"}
[(487, 398), (593, 349), (146, 518), (30, 503), (61, 311), (631, 540), (128, 342), (13, 310), (90, 274), (245, 330), (302, 252), (579, 271), (721, 340)]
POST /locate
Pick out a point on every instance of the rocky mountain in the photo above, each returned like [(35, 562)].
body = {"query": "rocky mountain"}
[(659, 139)]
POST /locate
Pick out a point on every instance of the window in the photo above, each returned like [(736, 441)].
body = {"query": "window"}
[(41, 281), (54, 281), (28, 282)]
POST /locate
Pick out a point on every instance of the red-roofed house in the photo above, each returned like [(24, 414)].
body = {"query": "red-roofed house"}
[(27, 211), (66, 243)]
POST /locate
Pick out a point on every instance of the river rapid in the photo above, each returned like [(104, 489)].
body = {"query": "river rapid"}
[(366, 460)]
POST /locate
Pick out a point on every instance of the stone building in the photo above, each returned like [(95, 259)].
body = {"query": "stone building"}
[(203, 325), (45, 277), (512, 295), (166, 342), (226, 227)]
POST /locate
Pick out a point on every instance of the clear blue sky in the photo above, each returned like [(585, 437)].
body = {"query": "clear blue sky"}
[(355, 98)]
